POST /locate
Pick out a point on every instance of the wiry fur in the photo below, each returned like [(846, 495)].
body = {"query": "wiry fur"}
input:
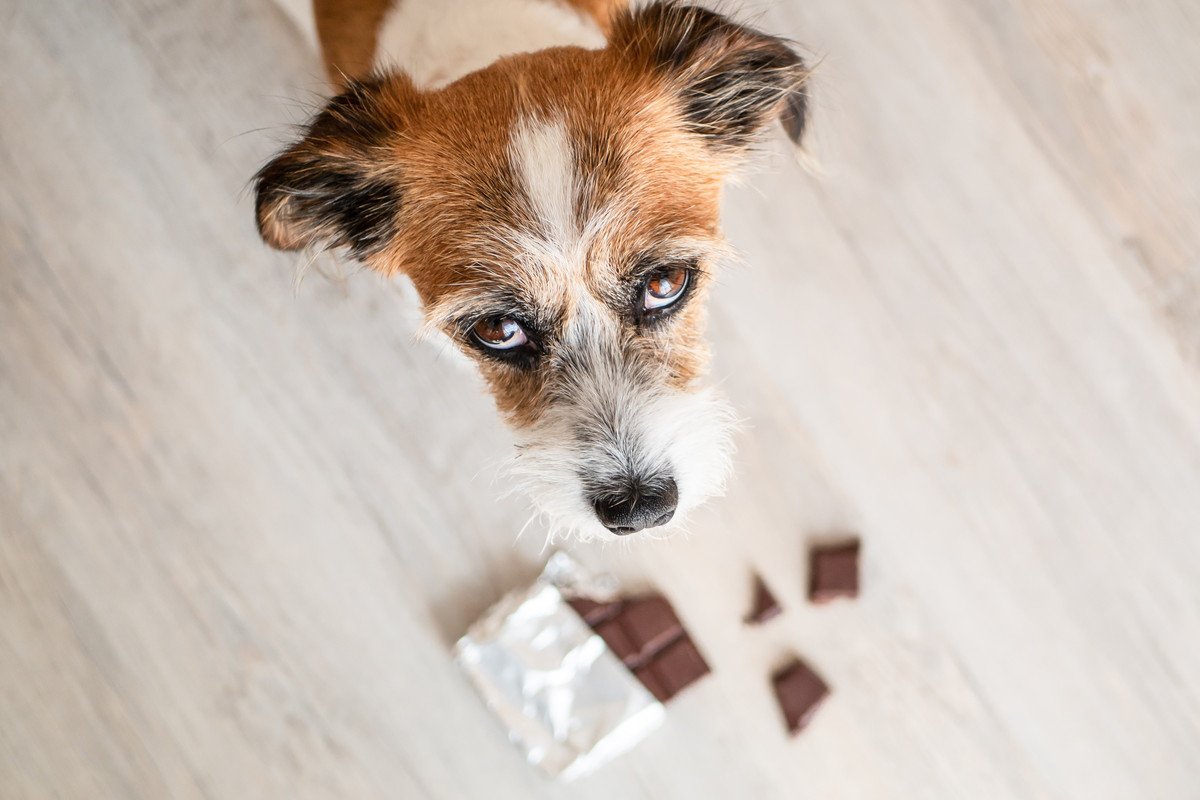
[(546, 187), (618, 423), (731, 79)]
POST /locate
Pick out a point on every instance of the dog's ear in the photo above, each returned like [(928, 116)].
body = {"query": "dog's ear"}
[(339, 186), (732, 81)]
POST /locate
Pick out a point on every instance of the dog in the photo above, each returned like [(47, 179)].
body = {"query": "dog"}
[(548, 175)]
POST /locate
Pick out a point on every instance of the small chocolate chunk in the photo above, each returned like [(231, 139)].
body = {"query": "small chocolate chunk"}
[(800, 692), (833, 572), (651, 623), (765, 605), (593, 611)]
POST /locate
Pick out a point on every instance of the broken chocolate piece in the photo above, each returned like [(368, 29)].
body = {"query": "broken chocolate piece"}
[(833, 572), (765, 605), (594, 612), (646, 634), (651, 624), (800, 692), (677, 667)]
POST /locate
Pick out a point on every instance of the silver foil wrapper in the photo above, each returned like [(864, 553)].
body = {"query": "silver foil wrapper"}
[(563, 696)]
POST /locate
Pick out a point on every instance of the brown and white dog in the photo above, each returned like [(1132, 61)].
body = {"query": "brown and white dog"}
[(548, 174)]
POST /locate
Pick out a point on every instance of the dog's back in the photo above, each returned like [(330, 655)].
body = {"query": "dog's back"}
[(437, 41)]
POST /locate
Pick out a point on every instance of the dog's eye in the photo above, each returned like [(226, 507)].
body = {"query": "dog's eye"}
[(500, 333), (664, 287)]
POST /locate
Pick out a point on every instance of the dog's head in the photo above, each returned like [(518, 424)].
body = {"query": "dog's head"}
[(558, 214)]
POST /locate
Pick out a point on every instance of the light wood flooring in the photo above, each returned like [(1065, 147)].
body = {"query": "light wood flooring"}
[(241, 523)]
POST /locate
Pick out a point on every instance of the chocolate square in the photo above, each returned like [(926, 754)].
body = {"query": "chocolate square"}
[(765, 605), (678, 666), (800, 692), (651, 624), (833, 572)]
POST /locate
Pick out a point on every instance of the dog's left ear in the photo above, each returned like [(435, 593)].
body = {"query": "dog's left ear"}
[(732, 81), (338, 186)]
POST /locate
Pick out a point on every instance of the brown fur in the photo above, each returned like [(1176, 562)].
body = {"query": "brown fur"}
[(603, 11), (348, 30), (661, 181)]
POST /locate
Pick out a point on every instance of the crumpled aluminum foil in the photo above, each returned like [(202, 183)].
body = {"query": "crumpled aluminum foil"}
[(564, 697)]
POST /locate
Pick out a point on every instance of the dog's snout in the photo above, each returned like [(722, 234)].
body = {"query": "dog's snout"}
[(636, 507)]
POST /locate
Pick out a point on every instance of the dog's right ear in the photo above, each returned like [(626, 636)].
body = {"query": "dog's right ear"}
[(731, 80), (339, 186)]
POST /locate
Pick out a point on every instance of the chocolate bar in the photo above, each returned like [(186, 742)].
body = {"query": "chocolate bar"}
[(646, 634), (800, 691), (561, 694), (833, 572)]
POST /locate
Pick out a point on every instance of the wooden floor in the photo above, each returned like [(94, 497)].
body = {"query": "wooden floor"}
[(241, 523)]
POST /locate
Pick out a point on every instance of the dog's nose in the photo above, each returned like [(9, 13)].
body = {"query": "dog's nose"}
[(638, 507)]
